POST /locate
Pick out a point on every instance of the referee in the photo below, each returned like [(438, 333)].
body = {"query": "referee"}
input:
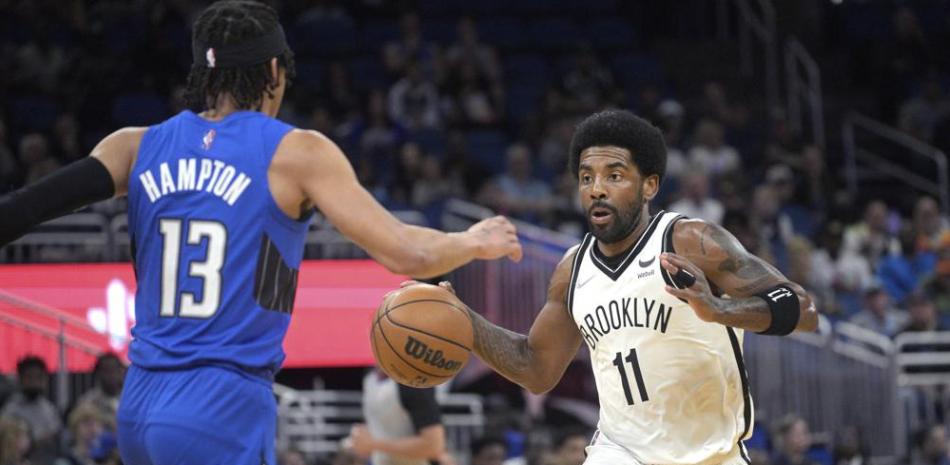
[(403, 424)]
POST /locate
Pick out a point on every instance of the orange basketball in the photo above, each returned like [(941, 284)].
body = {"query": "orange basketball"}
[(421, 335)]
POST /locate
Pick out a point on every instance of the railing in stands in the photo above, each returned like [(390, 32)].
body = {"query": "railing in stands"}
[(858, 155), (761, 26), (803, 81), (72, 336), (316, 421)]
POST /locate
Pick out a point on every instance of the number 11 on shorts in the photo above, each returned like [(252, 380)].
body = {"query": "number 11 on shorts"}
[(631, 358)]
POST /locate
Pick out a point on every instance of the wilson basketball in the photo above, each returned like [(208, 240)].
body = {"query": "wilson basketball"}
[(421, 335)]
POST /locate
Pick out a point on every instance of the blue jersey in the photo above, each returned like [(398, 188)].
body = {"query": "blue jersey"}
[(216, 260)]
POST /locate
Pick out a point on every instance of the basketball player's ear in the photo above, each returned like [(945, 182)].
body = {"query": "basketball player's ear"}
[(651, 185), (275, 71)]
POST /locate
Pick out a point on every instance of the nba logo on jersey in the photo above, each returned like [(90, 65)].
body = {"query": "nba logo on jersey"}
[(207, 139)]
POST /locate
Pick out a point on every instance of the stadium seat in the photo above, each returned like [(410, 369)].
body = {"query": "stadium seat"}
[(35, 113), (367, 73), (324, 37), (440, 31), (555, 34), (635, 69), (376, 32), (138, 109), (503, 33), (610, 33), (527, 69), (488, 149)]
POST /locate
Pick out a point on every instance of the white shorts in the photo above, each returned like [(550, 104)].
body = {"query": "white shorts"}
[(603, 451)]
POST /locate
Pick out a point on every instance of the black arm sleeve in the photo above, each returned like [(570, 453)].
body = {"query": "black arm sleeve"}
[(64, 191), (421, 405)]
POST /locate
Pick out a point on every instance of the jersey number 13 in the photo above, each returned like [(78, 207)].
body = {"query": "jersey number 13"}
[(208, 270)]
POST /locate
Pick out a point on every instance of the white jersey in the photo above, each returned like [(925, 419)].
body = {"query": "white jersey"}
[(673, 388)]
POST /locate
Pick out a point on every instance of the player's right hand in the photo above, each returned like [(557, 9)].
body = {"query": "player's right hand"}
[(496, 237)]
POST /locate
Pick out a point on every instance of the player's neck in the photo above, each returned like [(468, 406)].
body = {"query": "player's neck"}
[(224, 105), (616, 248)]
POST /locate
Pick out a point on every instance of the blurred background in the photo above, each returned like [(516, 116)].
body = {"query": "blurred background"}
[(813, 130)]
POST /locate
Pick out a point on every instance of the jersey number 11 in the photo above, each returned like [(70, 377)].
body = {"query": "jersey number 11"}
[(625, 382)]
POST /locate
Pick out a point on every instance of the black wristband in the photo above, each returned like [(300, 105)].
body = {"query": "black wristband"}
[(61, 192), (783, 305)]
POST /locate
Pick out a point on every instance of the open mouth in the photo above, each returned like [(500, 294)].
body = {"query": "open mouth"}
[(600, 215)]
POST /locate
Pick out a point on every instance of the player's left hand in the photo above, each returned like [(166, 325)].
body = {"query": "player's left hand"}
[(699, 296), (362, 440)]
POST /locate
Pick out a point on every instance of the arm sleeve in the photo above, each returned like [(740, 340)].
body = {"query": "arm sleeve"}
[(64, 191), (421, 405)]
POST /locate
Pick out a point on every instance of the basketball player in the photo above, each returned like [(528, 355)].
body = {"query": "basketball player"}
[(647, 293), (219, 204)]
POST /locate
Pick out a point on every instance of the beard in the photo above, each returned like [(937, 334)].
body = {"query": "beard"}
[(625, 220)]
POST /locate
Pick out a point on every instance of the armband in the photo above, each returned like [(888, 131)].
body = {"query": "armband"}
[(783, 305)]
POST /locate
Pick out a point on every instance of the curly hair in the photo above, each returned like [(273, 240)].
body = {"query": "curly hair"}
[(228, 22), (622, 129)]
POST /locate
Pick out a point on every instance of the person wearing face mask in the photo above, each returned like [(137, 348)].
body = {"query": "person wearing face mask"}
[(31, 403)]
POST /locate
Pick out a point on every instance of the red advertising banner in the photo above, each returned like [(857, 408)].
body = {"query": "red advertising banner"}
[(330, 325)]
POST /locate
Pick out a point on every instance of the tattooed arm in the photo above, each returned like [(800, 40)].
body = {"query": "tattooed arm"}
[(710, 252), (536, 361)]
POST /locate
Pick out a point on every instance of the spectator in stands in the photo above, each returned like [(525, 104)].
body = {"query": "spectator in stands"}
[(878, 315), (906, 57), (782, 180), (35, 157), (922, 314), (414, 100), (671, 116), (109, 375), (15, 444), (588, 85), (291, 457), (919, 115), (555, 145), (901, 274), (794, 441), (403, 424), (931, 447), (516, 192), (90, 435), (816, 186), (375, 136), (696, 202), (411, 49), (928, 224), (570, 445), (774, 228), (710, 154), (850, 448), (871, 238), (715, 103), (472, 100), (433, 186), (937, 286), (407, 173), (468, 49), (66, 138), (31, 405), (9, 170), (341, 99), (489, 451)]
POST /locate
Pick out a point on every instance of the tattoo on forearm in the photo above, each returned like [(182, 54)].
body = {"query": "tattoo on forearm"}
[(741, 264), (505, 351)]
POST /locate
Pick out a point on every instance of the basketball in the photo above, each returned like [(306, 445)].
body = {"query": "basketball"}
[(421, 335)]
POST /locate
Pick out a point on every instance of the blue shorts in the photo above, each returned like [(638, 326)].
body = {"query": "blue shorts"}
[(198, 416)]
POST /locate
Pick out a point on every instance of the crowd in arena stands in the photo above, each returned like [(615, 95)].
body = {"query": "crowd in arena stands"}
[(33, 430)]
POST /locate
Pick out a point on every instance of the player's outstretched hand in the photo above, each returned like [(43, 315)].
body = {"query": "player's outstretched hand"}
[(496, 238), (698, 294)]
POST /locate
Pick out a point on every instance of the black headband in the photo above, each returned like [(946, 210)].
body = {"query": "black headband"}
[(249, 52)]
